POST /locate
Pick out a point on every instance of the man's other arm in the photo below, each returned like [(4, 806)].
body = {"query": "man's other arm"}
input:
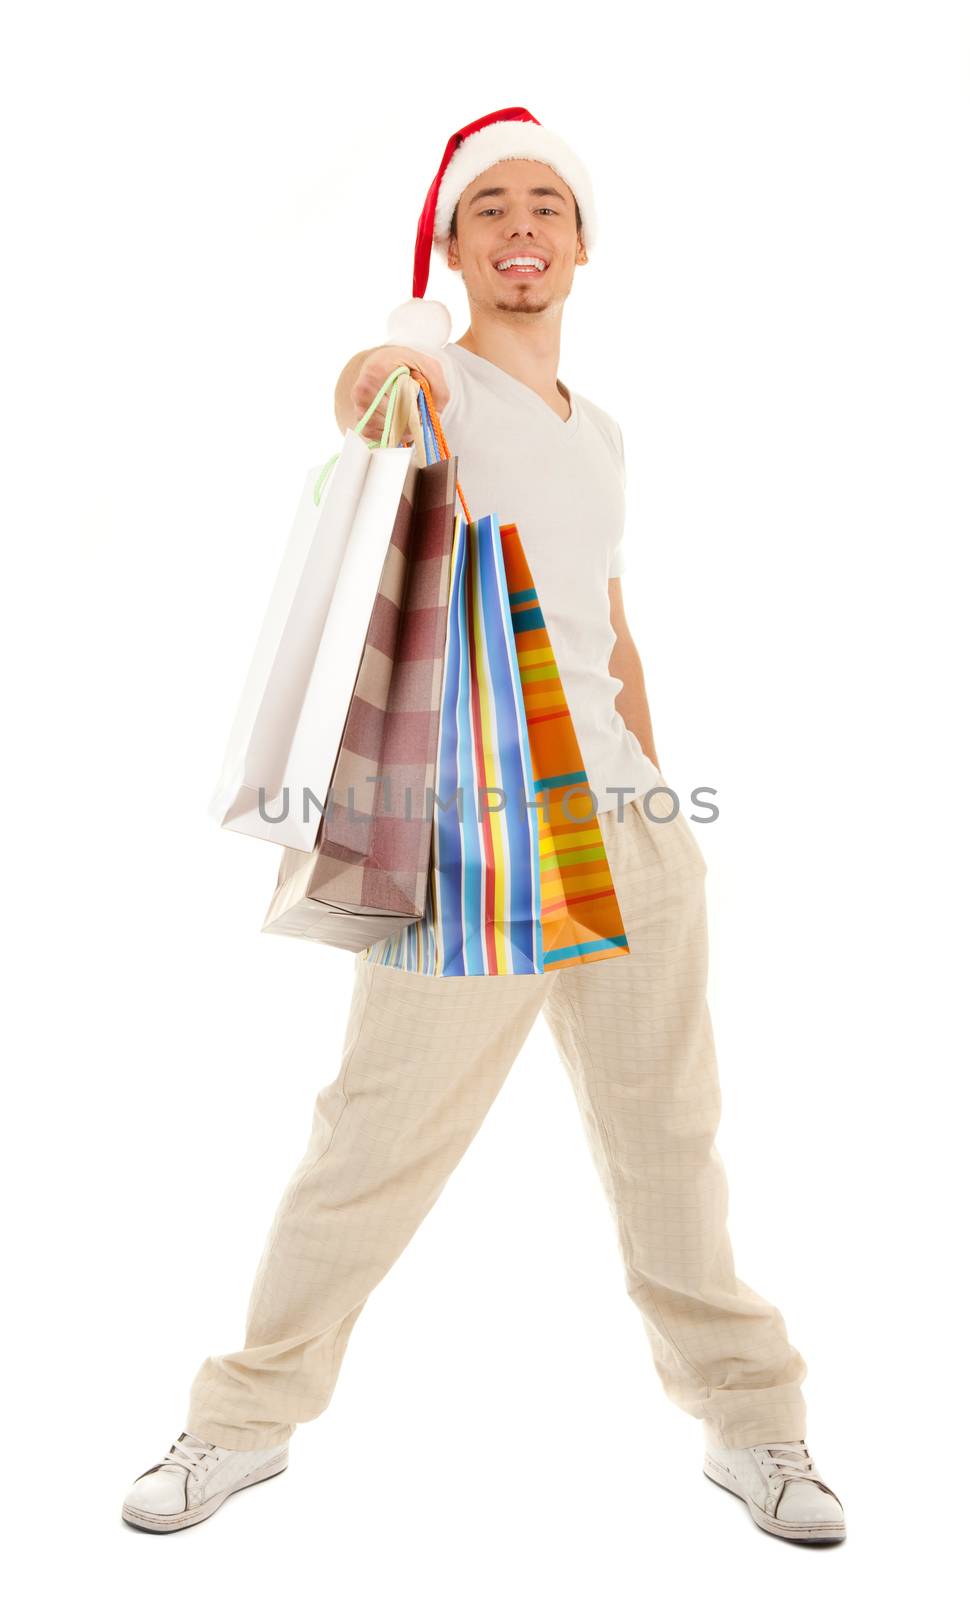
[(625, 664)]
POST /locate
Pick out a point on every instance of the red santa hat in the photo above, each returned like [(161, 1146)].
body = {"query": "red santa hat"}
[(510, 134)]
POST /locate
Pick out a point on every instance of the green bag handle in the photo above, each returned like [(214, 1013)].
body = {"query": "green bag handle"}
[(389, 386)]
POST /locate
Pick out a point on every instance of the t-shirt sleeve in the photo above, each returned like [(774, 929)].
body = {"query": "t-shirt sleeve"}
[(618, 560)]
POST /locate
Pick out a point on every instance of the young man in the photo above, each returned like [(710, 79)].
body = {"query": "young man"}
[(512, 210)]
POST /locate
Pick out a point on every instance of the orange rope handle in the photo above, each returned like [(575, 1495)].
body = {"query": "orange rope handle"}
[(440, 439)]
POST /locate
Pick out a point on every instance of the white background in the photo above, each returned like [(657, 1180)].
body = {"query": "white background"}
[(209, 209)]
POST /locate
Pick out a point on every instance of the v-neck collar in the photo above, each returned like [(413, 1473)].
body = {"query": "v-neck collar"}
[(564, 428)]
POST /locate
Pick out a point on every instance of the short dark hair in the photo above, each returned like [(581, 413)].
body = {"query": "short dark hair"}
[(453, 228)]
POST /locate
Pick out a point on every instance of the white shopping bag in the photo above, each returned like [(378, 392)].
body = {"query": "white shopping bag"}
[(286, 734)]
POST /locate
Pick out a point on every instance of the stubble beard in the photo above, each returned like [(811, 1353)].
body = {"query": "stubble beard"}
[(525, 304), (526, 307), (522, 305)]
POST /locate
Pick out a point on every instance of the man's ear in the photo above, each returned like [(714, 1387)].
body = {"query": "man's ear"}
[(581, 257), (454, 260)]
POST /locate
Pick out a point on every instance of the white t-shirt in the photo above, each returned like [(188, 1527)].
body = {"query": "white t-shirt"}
[(562, 484)]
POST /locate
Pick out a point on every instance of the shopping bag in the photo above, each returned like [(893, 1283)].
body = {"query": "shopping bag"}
[(285, 738), (522, 885), (368, 872)]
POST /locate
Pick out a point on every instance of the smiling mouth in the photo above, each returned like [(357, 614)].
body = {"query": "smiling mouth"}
[(521, 267)]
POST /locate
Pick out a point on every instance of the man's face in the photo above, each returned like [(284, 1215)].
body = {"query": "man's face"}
[(517, 209)]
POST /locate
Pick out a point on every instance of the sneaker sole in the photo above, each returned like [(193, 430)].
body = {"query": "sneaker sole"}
[(808, 1533), (186, 1519)]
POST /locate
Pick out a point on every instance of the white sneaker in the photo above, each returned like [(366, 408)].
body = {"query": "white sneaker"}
[(193, 1479), (781, 1488)]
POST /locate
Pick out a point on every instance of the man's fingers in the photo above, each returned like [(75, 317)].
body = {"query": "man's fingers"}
[(374, 426), (375, 372), (418, 361)]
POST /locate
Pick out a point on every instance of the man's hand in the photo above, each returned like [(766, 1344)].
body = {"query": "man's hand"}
[(363, 376)]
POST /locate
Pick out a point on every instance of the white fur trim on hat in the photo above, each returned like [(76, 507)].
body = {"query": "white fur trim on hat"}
[(507, 141)]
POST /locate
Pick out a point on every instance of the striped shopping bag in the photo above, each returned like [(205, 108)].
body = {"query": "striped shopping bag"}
[(518, 884), (367, 874)]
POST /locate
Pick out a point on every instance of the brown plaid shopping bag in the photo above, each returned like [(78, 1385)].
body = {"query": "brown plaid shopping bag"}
[(367, 875)]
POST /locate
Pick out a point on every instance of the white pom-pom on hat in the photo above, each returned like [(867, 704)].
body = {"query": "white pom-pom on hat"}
[(420, 324)]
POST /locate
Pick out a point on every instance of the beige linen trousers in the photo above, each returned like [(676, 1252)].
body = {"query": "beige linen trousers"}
[(423, 1059)]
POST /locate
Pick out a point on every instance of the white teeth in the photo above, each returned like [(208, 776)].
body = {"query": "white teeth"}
[(522, 261)]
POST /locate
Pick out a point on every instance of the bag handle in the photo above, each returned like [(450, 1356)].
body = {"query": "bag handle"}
[(392, 423), (435, 443)]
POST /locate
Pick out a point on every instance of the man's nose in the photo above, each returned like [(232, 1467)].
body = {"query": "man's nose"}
[(518, 222)]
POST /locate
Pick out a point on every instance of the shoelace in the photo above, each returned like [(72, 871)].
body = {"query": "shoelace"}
[(792, 1463), (188, 1451)]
